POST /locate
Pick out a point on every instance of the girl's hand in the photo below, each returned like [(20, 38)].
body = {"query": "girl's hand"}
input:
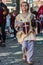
[(19, 25)]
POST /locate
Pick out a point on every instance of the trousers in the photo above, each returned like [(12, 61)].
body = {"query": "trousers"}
[(29, 46)]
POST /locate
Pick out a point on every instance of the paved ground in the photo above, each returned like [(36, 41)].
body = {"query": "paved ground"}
[(12, 54)]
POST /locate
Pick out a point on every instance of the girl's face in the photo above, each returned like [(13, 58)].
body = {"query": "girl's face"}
[(24, 7)]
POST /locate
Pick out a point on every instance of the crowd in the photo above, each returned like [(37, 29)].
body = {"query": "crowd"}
[(10, 19), (6, 22), (26, 24)]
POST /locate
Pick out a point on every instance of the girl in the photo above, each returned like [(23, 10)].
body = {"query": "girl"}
[(25, 34)]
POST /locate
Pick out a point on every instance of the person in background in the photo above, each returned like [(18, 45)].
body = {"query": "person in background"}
[(8, 22), (3, 13), (34, 21), (13, 16), (41, 20), (25, 34), (31, 10)]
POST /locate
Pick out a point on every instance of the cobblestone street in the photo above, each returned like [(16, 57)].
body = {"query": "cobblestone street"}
[(12, 54)]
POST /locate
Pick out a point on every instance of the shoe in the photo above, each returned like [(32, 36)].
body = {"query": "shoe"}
[(14, 38), (30, 63), (3, 45), (11, 35), (24, 59)]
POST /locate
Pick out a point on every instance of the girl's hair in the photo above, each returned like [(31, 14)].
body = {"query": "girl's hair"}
[(26, 3)]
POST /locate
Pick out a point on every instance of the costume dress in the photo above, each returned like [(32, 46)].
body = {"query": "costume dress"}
[(25, 34)]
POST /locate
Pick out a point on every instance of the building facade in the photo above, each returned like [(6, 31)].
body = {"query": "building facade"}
[(15, 4), (11, 4)]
